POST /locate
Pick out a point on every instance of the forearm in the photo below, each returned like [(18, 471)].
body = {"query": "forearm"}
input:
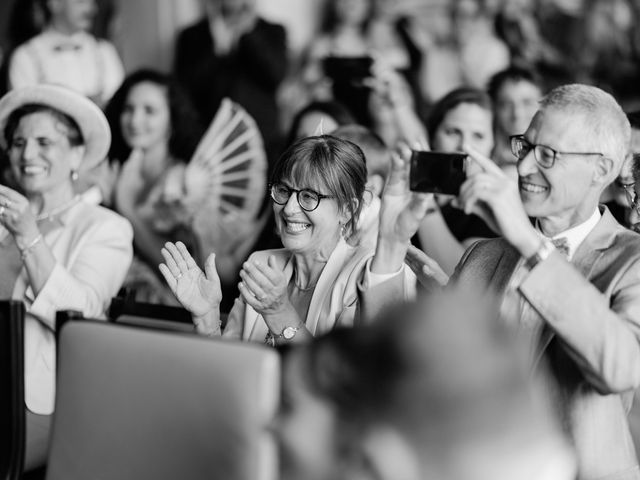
[(208, 324), (38, 261), (599, 332), (389, 255)]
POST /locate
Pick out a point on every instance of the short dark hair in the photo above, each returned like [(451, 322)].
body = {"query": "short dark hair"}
[(73, 132), (186, 129), (329, 162), (512, 74), (450, 101)]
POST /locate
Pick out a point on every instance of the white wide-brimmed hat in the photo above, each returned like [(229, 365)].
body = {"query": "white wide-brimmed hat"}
[(90, 119)]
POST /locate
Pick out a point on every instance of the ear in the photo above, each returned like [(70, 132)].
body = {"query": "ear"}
[(375, 184), (345, 214), (77, 154), (606, 170)]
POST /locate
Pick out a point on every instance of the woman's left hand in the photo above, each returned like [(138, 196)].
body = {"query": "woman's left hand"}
[(264, 287), (16, 216)]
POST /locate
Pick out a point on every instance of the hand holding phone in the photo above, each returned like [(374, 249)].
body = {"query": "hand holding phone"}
[(437, 172)]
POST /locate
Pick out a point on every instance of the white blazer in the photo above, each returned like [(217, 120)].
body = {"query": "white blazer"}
[(93, 252)]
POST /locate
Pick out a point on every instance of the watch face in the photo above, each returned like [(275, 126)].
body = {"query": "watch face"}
[(289, 332)]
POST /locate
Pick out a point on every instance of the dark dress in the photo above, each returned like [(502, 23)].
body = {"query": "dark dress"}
[(249, 74)]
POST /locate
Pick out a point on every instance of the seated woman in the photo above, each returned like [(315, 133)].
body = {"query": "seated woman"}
[(155, 132), (57, 252), (312, 284), (462, 117)]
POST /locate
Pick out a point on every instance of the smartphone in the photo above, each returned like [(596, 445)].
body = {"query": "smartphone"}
[(347, 69), (437, 172)]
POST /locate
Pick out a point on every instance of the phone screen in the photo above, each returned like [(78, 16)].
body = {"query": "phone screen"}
[(437, 172)]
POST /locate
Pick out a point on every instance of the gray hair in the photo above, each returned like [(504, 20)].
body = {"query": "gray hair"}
[(607, 128)]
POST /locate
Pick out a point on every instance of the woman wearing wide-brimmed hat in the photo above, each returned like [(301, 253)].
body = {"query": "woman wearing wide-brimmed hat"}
[(56, 251)]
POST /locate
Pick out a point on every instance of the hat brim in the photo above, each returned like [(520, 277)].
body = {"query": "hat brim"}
[(87, 115)]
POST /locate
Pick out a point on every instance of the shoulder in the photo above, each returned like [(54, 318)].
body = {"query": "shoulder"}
[(89, 217)]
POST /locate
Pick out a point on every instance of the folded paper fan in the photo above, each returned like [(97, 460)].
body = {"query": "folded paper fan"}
[(232, 163)]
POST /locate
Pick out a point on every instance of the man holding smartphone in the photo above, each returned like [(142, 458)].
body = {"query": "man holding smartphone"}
[(570, 281)]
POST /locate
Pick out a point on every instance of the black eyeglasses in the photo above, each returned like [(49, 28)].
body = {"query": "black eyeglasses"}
[(545, 156), (307, 199)]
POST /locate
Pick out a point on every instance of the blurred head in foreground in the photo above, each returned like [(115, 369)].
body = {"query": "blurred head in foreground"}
[(437, 389)]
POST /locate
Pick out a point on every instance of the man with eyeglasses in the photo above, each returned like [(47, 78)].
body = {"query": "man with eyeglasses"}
[(570, 279)]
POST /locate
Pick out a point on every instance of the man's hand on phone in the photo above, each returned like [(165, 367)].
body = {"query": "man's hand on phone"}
[(494, 196)]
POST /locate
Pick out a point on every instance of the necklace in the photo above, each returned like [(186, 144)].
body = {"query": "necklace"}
[(58, 210), (303, 289)]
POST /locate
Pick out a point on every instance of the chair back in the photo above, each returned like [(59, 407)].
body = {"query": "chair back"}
[(135, 403), (12, 408)]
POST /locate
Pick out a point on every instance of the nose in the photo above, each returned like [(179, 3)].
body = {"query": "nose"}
[(292, 206), (30, 150), (528, 165)]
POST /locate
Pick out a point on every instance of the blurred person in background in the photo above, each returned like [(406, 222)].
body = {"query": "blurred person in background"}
[(57, 251), (470, 57), (619, 197), (438, 389), (516, 23), (515, 93), (155, 132), (66, 53), (234, 53)]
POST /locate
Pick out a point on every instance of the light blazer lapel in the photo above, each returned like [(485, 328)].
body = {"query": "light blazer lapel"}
[(325, 285), (585, 260)]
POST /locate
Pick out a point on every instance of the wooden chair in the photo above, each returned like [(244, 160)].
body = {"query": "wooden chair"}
[(12, 409), (140, 403)]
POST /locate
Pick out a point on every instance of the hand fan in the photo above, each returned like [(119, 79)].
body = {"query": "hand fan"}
[(228, 170)]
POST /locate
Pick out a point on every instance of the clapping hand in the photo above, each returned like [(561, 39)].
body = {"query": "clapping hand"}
[(16, 216), (264, 287), (197, 291)]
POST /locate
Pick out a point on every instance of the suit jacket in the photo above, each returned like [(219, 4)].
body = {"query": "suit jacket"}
[(590, 341), (337, 297), (93, 252), (249, 75)]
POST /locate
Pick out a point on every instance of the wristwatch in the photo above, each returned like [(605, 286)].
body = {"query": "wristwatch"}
[(289, 332), (544, 250)]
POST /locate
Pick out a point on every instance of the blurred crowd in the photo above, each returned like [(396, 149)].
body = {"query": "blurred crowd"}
[(272, 196)]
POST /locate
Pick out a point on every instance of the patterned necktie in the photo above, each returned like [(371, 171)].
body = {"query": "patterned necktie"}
[(562, 245)]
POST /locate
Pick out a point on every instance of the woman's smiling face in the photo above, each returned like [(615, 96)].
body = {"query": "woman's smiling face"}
[(309, 232)]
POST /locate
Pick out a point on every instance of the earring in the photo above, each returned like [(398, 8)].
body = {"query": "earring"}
[(343, 229), (74, 175)]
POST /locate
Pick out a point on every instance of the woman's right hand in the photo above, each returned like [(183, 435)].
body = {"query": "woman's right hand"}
[(197, 291)]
